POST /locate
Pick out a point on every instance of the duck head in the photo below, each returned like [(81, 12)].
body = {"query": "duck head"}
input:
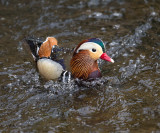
[(84, 61)]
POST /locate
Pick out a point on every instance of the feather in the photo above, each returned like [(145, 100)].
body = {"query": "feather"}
[(82, 65)]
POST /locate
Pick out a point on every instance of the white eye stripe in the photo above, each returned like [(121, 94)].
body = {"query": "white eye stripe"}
[(89, 46)]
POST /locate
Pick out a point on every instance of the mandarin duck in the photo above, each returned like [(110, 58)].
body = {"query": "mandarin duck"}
[(84, 61), (45, 55)]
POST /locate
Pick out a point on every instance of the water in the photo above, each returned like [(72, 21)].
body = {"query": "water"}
[(125, 99)]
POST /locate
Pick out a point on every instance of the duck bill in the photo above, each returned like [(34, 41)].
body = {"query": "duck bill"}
[(104, 56)]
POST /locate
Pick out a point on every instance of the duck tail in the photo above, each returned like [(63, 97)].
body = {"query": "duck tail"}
[(34, 45)]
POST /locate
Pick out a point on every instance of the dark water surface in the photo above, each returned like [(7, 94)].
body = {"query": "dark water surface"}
[(128, 102)]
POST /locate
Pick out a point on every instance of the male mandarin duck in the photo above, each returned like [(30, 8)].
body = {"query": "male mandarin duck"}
[(84, 61), (44, 54)]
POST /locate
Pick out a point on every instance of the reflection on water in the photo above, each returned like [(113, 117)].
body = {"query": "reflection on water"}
[(125, 99)]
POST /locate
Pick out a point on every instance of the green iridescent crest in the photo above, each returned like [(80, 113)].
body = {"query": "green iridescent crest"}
[(98, 41)]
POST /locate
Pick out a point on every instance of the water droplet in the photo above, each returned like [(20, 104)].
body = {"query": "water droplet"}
[(2, 18), (131, 50), (117, 26), (125, 54), (117, 14), (103, 29), (153, 14), (113, 43), (97, 14), (142, 56)]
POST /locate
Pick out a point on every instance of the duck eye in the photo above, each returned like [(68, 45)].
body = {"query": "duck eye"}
[(93, 50)]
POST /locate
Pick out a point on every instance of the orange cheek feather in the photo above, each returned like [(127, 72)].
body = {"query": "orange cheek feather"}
[(94, 56)]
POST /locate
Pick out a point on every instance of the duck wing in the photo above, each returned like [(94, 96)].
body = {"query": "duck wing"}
[(34, 45)]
